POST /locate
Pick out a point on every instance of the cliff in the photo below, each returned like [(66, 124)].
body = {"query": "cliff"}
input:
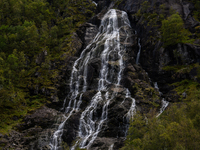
[(132, 60)]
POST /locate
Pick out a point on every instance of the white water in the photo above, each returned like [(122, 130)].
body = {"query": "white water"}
[(94, 3), (90, 125), (111, 147), (164, 102), (163, 107), (132, 109), (156, 87), (138, 54)]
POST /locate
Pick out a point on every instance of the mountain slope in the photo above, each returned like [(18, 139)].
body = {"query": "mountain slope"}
[(166, 35)]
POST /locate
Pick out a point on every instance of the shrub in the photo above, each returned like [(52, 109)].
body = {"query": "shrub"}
[(173, 31)]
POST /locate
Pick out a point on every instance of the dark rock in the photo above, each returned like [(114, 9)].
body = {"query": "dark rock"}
[(106, 143), (76, 44), (35, 132), (172, 96), (3, 142), (45, 120), (71, 128), (87, 32)]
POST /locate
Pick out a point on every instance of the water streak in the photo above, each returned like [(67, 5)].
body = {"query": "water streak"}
[(132, 109), (111, 147), (138, 54), (163, 107), (94, 3), (164, 102), (91, 124)]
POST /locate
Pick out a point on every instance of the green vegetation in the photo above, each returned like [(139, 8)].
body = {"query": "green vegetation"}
[(151, 19), (172, 28), (148, 95), (196, 12), (177, 70), (173, 31), (176, 129), (34, 34), (117, 3)]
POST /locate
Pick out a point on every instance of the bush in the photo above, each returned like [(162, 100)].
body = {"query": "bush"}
[(173, 31), (175, 129)]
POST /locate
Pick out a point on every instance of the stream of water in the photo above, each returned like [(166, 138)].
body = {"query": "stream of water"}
[(89, 124), (139, 51), (164, 103)]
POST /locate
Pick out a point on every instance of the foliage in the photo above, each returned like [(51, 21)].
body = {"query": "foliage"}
[(150, 20), (176, 129), (34, 35), (196, 12), (178, 126), (173, 31), (117, 3)]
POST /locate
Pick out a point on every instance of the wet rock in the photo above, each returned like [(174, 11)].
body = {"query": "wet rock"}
[(184, 94), (86, 98), (70, 129), (3, 141), (87, 32)]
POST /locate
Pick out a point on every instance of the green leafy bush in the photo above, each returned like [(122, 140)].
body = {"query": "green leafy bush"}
[(176, 129), (173, 31), (30, 28)]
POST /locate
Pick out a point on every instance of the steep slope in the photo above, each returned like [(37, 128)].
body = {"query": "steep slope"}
[(99, 72), (121, 67)]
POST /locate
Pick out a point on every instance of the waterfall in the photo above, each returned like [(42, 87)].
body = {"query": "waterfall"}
[(164, 102), (111, 147), (138, 54), (109, 76), (163, 106), (94, 3)]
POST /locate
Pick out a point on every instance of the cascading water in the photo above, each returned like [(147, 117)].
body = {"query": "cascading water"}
[(109, 76), (111, 147), (138, 54), (163, 107), (94, 3), (164, 102)]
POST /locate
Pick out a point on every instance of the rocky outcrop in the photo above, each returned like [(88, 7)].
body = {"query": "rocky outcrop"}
[(87, 73), (153, 56), (35, 132)]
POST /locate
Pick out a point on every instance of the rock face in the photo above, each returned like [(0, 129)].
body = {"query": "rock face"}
[(102, 86), (104, 81), (136, 90), (154, 57), (35, 132)]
